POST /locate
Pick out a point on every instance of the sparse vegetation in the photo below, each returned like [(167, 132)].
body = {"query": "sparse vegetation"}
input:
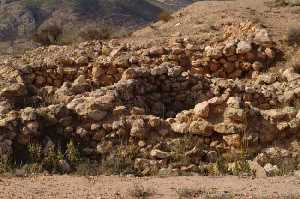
[(101, 32), (48, 35), (121, 161), (187, 193), (140, 192), (72, 153), (5, 165)]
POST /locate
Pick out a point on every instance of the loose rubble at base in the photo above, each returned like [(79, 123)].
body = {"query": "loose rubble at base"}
[(169, 109)]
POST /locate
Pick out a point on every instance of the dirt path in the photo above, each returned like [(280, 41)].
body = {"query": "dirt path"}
[(104, 187)]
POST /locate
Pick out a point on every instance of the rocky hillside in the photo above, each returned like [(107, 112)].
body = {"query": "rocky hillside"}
[(19, 19), (203, 93)]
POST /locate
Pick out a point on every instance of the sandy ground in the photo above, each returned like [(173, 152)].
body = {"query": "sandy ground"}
[(113, 187)]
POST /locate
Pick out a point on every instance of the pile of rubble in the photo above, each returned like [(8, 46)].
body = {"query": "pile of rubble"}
[(179, 107)]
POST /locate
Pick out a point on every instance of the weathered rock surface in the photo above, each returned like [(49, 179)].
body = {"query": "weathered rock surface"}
[(165, 109)]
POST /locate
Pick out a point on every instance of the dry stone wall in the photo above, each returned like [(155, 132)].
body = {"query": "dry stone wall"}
[(154, 106)]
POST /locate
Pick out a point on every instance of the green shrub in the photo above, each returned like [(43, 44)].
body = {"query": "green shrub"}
[(96, 33), (48, 35), (34, 168), (51, 161), (35, 152), (5, 165), (72, 153)]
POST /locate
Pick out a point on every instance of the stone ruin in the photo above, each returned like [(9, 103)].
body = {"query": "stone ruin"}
[(153, 99)]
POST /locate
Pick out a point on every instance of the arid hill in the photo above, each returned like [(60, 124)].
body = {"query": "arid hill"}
[(20, 19)]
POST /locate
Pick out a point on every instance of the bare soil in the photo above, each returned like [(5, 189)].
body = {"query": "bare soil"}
[(106, 187)]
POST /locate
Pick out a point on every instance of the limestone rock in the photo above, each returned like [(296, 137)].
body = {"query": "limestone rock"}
[(156, 153), (243, 47), (202, 109), (200, 127)]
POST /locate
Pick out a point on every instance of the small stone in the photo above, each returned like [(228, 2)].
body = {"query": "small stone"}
[(28, 114), (97, 115), (297, 173), (95, 127), (141, 143), (233, 140), (168, 172), (262, 37), (154, 122), (33, 126), (64, 166), (234, 102), (175, 71), (80, 80), (82, 60), (137, 111), (182, 128), (257, 66), (20, 172), (270, 169), (81, 132), (212, 156), (40, 80), (160, 70), (243, 47), (214, 52), (138, 128), (258, 170), (156, 153), (202, 109), (157, 51), (201, 127), (229, 128)]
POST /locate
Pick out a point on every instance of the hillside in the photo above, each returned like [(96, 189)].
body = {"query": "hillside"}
[(20, 19), (214, 94)]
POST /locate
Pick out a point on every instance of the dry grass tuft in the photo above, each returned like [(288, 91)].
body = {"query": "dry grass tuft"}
[(140, 192)]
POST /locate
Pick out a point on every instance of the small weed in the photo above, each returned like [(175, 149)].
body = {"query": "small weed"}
[(121, 160), (72, 153), (219, 196), (241, 167), (87, 168), (5, 165), (50, 161), (35, 152), (140, 192), (181, 146), (33, 169), (96, 33), (48, 35), (185, 193)]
